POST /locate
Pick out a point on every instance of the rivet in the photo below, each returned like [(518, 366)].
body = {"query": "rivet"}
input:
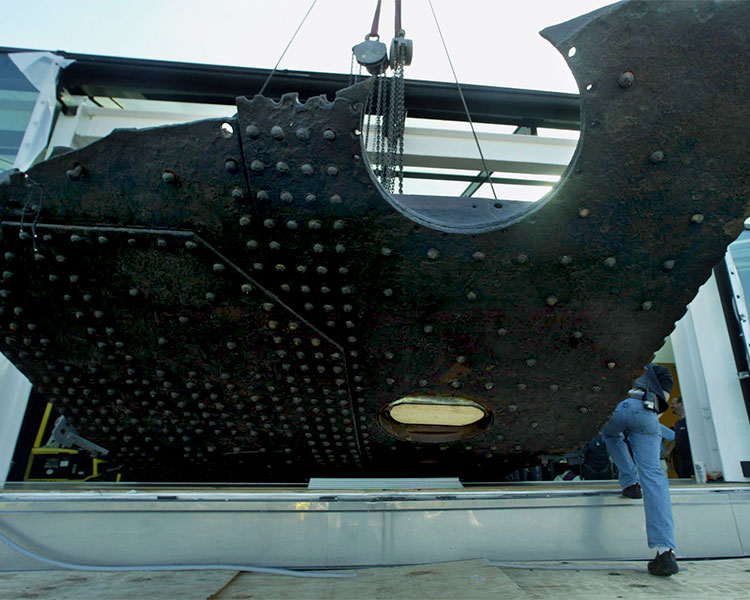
[(349, 325), (210, 296), (461, 359), (98, 314), (647, 305), (329, 134), (305, 289), (303, 134), (471, 296), (218, 267), (52, 277), (521, 386), (346, 290), (386, 251), (269, 223), (75, 173), (338, 225), (190, 245), (502, 331), (335, 199), (656, 156), (390, 381), (583, 409), (285, 287), (315, 342), (566, 260), (258, 167), (583, 212), (273, 324), (286, 197), (530, 362), (161, 243), (252, 131), (611, 364), (697, 218), (293, 325), (455, 384), (131, 241), (325, 290), (263, 195), (610, 262), (7, 274), (292, 225), (479, 256), (522, 258), (301, 268), (428, 329), (277, 132), (9, 256), (489, 385), (554, 387), (668, 265), (73, 278), (340, 248), (625, 80), (551, 300), (314, 224), (322, 270), (331, 323), (252, 244), (332, 170), (433, 254), (281, 268), (258, 266), (267, 306), (328, 308), (183, 320), (307, 169), (352, 340), (102, 240), (282, 167), (348, 308), (577, 335), (230, 165), (246, 288), (75, 238), (87, 297), (310, 198), (238, 193)]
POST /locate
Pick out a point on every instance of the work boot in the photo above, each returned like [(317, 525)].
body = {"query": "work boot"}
[(664, 564), (633, 491)]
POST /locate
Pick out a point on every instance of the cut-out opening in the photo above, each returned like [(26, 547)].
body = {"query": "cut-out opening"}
[(434, 419), (572, 52), (437, 177)]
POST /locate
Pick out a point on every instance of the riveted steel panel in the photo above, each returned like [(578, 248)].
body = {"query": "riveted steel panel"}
[(541, 313)]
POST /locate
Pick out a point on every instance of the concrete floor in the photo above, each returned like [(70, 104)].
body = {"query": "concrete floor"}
[(728, 579)]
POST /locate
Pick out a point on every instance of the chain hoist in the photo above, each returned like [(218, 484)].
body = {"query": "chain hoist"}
[(385, 103)]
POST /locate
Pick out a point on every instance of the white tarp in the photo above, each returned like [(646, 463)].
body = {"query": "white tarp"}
[(41, 69), (14, 396)]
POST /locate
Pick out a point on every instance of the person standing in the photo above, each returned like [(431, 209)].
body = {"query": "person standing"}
[(638, 417), (681, 456)]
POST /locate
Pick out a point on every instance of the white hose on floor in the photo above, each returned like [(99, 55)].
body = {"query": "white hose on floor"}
[(66, 565)]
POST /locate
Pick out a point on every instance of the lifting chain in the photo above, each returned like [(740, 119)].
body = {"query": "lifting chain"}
[(388, 97)]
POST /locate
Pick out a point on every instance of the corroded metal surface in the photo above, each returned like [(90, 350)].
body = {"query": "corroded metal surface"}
[(236, 300)]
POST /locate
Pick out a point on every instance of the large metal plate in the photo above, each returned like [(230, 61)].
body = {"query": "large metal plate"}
[(356, 298)]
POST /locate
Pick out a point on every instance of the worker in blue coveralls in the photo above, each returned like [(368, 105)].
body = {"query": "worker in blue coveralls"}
[(638, 417)]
